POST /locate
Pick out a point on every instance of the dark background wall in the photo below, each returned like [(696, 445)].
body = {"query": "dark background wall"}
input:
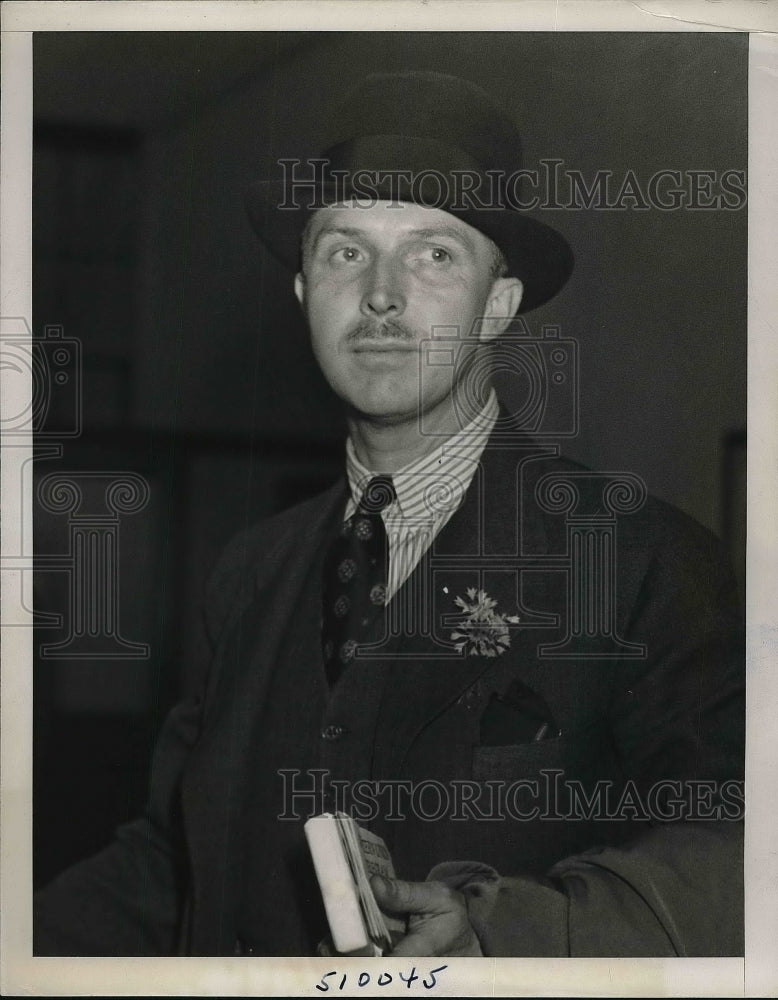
[(196, 371)]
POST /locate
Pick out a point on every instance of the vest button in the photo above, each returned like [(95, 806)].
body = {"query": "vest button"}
[(333, 732)]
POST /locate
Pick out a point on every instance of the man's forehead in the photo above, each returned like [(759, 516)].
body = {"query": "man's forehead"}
[(357, 217)]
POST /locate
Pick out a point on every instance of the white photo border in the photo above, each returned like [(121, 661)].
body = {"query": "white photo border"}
[(757, 975)]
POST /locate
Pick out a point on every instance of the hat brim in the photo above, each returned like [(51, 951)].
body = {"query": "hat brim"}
[(536, 253)]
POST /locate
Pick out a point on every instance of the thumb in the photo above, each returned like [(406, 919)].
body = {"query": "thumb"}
[(396, 896)]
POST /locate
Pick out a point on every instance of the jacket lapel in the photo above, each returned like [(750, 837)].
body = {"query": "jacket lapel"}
[(497, 521)]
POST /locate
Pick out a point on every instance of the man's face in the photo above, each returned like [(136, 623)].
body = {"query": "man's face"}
[(377, 280)]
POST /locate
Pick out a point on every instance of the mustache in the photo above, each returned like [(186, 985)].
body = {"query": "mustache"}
[(391, 329)]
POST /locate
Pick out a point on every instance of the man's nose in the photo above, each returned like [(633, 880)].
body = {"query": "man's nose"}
[(384, 294)]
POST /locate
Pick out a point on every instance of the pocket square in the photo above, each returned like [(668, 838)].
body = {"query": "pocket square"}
[(520, 715)]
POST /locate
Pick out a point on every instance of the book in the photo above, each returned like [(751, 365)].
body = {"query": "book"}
[(345, 855)]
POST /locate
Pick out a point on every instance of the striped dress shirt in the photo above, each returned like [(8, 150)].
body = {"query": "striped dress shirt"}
[(428, 489)]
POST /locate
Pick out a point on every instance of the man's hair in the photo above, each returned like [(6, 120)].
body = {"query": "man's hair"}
[(498, 266)]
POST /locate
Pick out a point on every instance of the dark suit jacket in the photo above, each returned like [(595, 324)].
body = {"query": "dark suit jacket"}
[(630, 884)]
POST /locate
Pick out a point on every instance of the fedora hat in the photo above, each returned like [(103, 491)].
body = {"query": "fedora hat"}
[(427, 138)]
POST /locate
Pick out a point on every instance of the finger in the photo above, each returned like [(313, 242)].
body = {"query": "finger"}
[(417, 944), (438, 936), (396, 896)]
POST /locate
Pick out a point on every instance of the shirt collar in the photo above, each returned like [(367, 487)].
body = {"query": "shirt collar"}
[(448, 468)]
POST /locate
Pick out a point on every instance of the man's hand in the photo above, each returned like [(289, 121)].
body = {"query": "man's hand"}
[(437, 918)]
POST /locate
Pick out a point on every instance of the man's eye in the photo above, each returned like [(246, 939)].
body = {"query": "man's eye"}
[(347, 254), (438, 255)]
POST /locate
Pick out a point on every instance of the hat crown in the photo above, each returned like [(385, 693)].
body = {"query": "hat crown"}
[(434, 106)]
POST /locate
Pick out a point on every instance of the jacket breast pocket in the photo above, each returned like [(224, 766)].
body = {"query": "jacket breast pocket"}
[(521, 760)]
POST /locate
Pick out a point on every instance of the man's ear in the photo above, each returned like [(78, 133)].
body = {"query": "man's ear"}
[(501, 306), (299, 288)]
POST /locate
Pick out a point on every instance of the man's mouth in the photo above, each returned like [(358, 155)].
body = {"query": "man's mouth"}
[(390, 335), (387, 343)]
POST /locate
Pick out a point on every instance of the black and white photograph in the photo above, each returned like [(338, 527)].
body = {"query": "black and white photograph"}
[(383, 587)]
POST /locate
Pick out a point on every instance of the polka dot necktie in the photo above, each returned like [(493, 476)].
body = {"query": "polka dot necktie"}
[(356, 570)]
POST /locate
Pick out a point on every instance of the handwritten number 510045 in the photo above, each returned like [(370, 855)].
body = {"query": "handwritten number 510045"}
[(383, 979)]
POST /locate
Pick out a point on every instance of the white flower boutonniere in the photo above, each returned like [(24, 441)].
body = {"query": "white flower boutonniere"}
[(482, 631)]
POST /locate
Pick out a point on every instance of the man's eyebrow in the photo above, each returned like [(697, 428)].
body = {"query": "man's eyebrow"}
[(450, 231), (334, 231), (339, 231)]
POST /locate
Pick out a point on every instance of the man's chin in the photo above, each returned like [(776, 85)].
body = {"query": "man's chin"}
[(384, 415)]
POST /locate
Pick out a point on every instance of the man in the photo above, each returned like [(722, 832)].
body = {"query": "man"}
[(539, 708)]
